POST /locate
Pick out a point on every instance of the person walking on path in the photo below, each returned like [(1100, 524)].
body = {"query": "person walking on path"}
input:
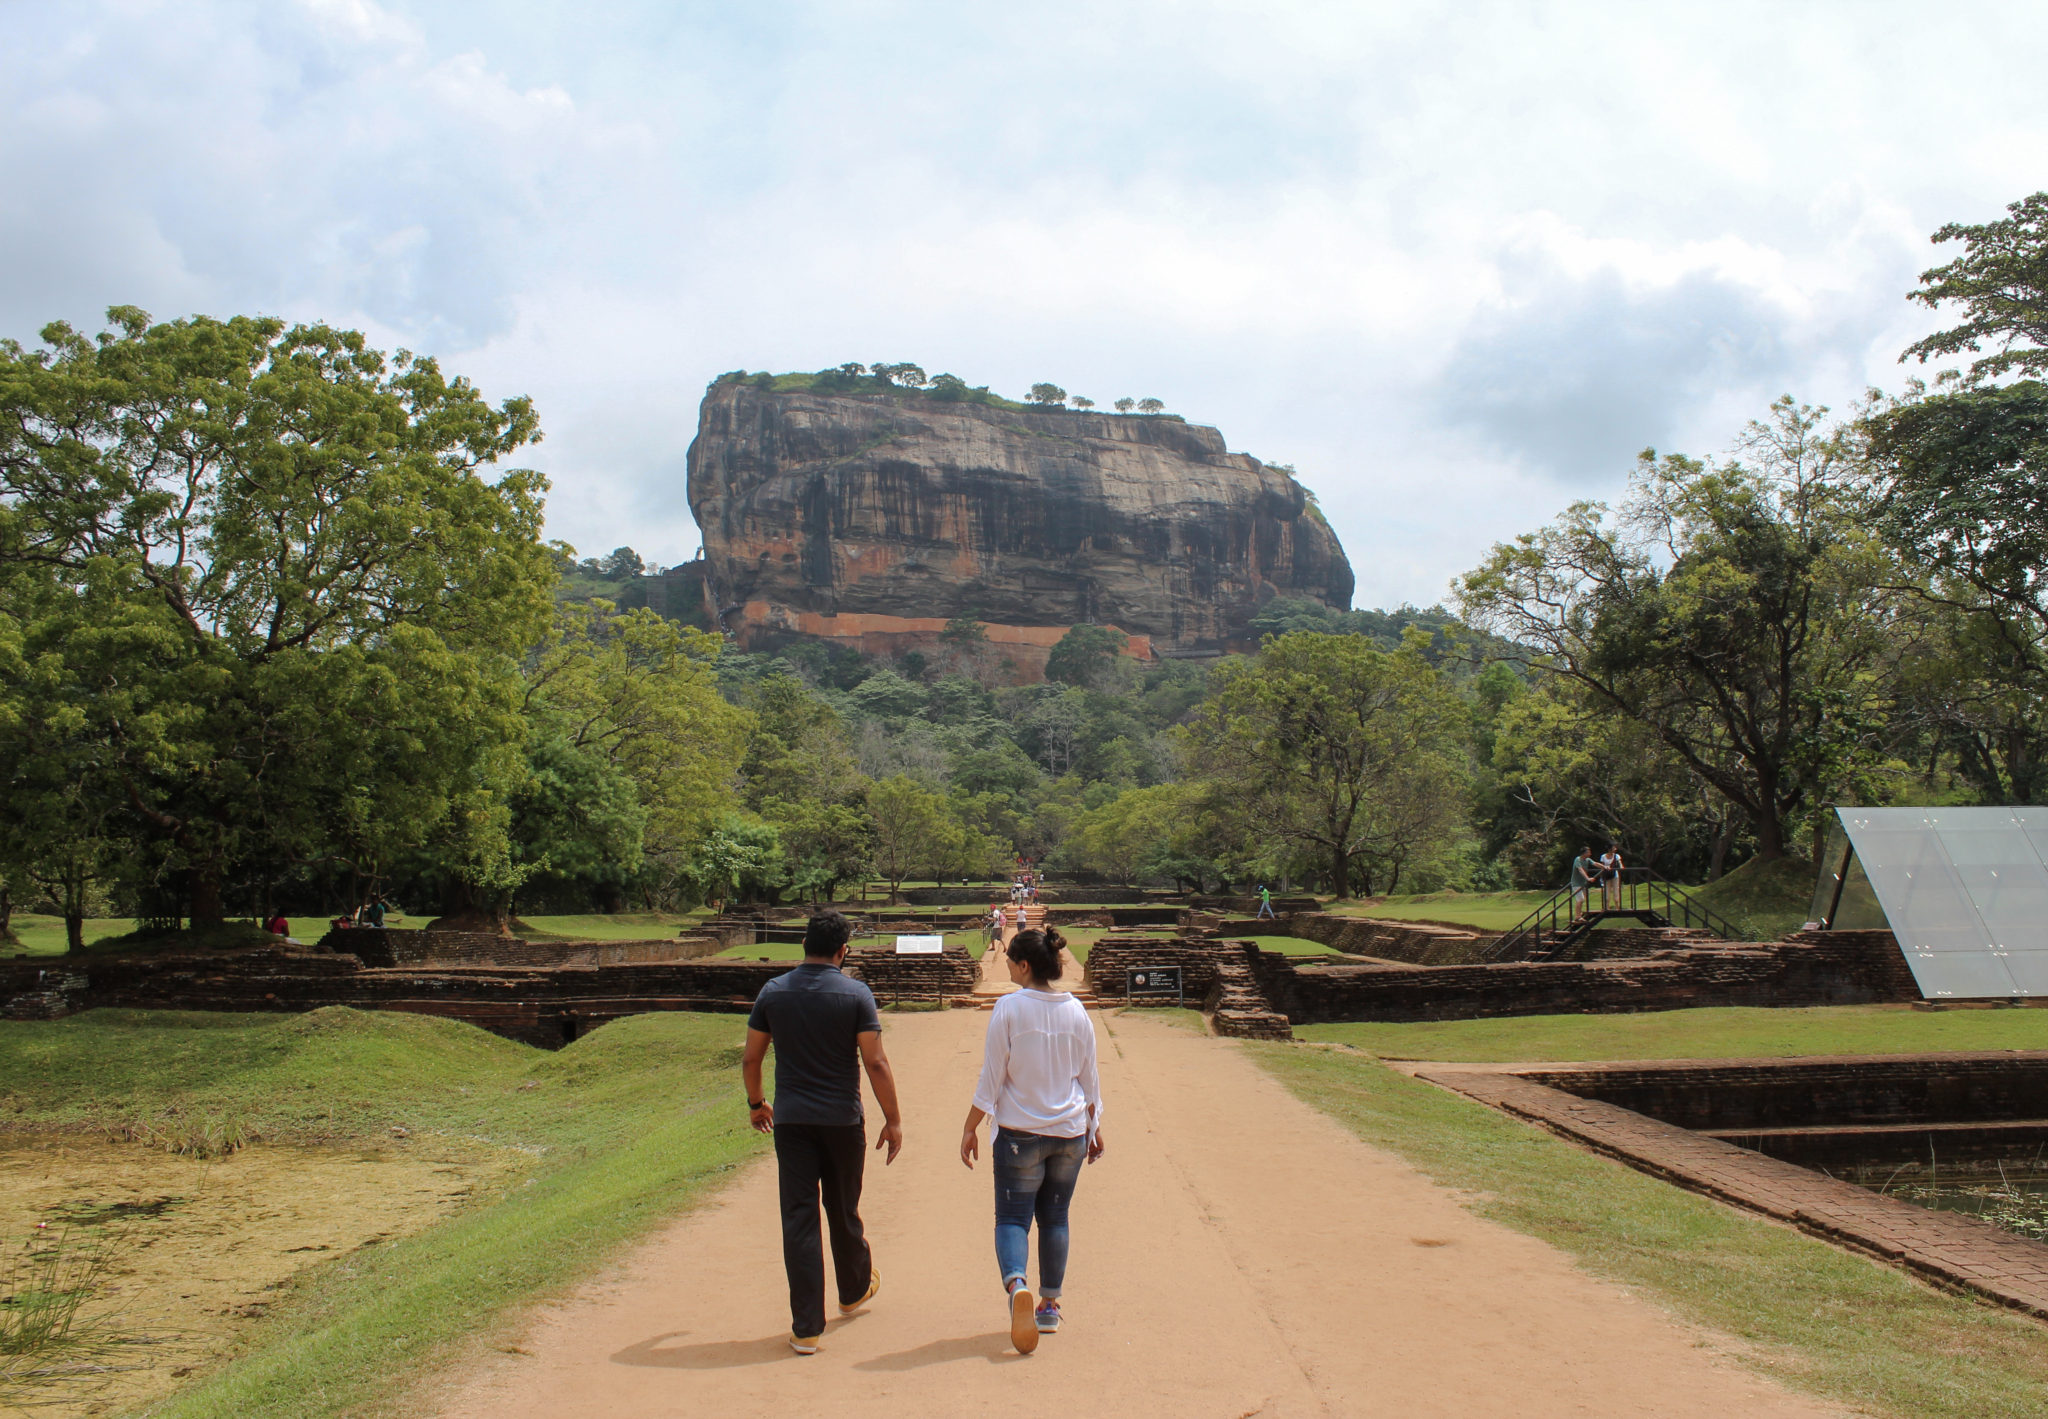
[(1585, 871), (820, 1022), (1039, 1083), (1265, 905)]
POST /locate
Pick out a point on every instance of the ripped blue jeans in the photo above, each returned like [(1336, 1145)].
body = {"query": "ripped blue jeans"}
[(1035, 1176)]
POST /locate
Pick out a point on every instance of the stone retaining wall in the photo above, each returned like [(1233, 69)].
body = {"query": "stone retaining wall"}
[(1415, 942), (937, 977), (1949, 1248), (1218, 975), (392, 946), (1817, 1090), (1816, 968)]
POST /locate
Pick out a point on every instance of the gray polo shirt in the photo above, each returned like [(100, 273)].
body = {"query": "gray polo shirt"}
[(815, 1015)]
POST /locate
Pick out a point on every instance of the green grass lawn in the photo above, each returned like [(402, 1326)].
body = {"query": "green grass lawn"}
[(44, 935), (1817, 1318), (1292, 945), (1764, 900), (615, 1133), (1698, 1034), (1487, 911), (618, 926)]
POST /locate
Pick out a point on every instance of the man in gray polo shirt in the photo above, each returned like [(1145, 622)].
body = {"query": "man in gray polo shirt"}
[(820, 1022)]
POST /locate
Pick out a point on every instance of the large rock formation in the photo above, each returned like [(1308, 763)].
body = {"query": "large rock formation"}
[(874, 518)]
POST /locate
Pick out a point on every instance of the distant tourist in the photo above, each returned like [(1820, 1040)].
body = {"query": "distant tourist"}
[(821, 1022), (1585, 871), (1038, 1082), (1610, 877), (373, 914), (277, 925), (1265, 905)]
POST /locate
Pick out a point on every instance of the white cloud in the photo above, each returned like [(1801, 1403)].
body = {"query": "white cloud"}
[(1455, 262)]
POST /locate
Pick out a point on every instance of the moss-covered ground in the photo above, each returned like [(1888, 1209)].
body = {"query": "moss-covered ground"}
[(608, 1136), (1765, 900)]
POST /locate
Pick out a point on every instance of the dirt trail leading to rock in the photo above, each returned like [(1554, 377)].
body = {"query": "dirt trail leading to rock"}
[(1235, 1253)]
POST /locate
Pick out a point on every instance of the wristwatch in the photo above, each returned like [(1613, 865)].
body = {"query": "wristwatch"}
[(753, 1104)]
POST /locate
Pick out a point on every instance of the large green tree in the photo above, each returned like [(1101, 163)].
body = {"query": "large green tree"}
[(911, 829), (2001, 284), (1962, 493), (637, 695), (1326, 745), (1734, 610), (251, 541)]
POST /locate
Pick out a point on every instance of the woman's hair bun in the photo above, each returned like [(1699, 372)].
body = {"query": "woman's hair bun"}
[(1038, 950)]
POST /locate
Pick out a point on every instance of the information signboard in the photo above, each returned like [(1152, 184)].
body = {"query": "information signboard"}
[(920, 945), (1153, 983)]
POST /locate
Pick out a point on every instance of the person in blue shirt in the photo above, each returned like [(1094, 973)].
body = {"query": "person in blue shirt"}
[(823, 1026)]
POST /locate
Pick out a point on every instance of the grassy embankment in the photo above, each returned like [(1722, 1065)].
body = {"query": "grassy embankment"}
[(612, 1134), (1765, 901), (1731, 1033), (1293, 945), (1817, 1318)]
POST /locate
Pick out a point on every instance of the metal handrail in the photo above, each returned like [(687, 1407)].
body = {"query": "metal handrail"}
[(1642, 889)]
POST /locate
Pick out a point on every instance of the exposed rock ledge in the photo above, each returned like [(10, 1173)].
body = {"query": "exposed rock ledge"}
[(873, 519)]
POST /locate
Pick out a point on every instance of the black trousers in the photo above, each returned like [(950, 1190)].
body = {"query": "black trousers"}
[(815, 1159)]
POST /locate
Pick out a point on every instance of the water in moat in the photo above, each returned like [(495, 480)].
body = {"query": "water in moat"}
[(2013, 1196)]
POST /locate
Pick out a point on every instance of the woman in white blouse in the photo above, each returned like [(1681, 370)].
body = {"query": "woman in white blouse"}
[(1038, 1082)]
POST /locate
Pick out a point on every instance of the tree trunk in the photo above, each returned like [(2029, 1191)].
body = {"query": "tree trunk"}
[(206, 904), (1340, 875), (463, 908), (1770, 837), (7, 915), (1719, 858), (74, 930)]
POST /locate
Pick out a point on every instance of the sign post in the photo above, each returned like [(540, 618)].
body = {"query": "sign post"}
[(920, 945), (1154, 983)]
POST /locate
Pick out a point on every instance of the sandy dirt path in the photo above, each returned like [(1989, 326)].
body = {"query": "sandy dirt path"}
[(1235, 1254)]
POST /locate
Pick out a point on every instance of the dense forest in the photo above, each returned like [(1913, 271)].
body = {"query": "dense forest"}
[(276, 628)]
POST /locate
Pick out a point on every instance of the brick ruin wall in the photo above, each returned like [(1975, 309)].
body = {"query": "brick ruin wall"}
[(1217, 976), (1817, 1091), (911, 977), (389, 946), (1410, 942), (1248, 991), (1810, 968)]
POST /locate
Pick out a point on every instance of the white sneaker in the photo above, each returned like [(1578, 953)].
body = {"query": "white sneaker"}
[(1023, 1320)]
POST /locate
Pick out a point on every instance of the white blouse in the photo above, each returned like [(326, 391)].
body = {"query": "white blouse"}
[(1038, 1068)]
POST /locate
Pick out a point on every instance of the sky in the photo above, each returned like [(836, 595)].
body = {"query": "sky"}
[(1456, 263)]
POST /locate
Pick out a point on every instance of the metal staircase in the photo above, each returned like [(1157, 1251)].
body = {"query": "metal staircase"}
[(1551, 931)]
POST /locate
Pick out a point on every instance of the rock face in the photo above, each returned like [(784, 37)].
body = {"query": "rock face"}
[(873, 519)]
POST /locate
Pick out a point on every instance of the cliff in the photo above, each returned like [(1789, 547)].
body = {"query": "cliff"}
[(874, 518)]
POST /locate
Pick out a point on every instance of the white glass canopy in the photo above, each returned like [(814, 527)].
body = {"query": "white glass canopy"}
[(1965, 891)]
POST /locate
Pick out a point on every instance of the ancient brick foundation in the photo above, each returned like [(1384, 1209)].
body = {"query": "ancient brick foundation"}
[(1888, 1102), (1217, 975), (895, 978), (388, 946), (548, 993), (1811, 968)]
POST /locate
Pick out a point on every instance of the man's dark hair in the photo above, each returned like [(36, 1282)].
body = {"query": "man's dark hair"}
[(827, 932)]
